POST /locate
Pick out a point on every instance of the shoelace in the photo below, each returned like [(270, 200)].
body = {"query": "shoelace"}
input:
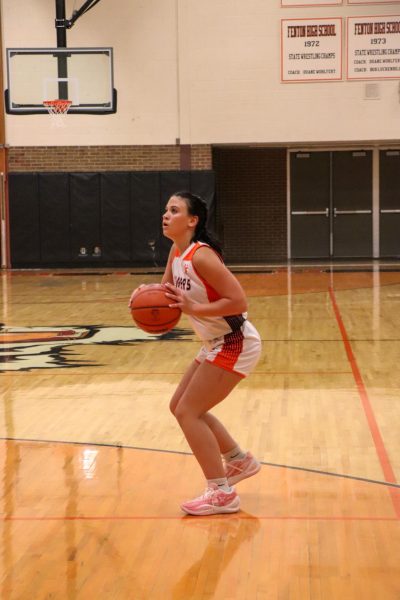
[(208, 492), (231, 467)]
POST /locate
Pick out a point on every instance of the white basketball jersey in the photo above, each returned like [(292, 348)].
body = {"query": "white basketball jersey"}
[(198, 290)]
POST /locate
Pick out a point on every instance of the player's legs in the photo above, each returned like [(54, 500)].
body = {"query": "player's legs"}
[(207, 387), (184, 382), (224, 439)]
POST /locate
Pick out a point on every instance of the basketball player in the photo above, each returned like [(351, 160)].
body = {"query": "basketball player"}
[(203, 288)]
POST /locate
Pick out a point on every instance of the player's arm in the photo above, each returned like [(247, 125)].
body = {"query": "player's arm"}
[(232, 299), (168, 277)]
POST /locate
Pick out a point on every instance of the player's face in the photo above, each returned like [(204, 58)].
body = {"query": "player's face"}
[(176, 220)]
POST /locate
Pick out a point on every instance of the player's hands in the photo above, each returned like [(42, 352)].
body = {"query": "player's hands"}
[(135, 291), (179, 299)]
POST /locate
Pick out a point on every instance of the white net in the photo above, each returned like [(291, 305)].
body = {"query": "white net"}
[(57, 110)]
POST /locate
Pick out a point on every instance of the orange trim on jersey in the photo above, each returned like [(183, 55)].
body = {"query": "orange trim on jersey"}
[(189, 255), (212, 294), (198, 245), (179, 254)]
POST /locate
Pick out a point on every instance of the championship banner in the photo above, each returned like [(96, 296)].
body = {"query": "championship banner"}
[(373, 1), (373, 47), (311, 2), (311, 49)]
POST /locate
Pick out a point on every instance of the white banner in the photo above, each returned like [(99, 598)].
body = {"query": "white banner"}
[(373, 47), (311, 49), (311, 2), (373, 1)]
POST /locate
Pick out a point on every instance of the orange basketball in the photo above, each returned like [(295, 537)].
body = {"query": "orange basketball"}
[(150, 310)]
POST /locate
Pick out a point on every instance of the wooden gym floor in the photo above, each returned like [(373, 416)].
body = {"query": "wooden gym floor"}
[(93, 466)]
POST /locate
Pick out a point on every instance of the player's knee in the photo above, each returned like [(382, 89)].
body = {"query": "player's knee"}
[(182, 413), (172, 406), (179, 413)]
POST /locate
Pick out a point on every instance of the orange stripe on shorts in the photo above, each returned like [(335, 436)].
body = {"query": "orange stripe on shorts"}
[(230, 351)]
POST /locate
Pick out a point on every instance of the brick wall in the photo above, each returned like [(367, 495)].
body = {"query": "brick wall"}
[(106, 158), (201, 157), (251, 203)]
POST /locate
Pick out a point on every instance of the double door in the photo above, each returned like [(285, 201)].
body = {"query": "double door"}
[(331, 204), (389, 205)]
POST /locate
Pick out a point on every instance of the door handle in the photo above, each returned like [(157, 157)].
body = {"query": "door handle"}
[(390, 210), (311, 212), (351, 212)]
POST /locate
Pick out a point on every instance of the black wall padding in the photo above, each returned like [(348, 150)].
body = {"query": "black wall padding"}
[(115, 217), (145, 223), (24, 218), (85, 212), (54, 217)]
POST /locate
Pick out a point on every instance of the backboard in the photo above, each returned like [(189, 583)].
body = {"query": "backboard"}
[(83, 75)]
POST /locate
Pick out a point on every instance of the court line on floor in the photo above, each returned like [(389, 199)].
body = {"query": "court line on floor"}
[(381, 451), (188, 519), (302, 292), (155, 373), (121, 446), (262, 294)]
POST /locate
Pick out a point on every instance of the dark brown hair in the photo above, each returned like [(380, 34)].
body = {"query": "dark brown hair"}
[(197, 207)]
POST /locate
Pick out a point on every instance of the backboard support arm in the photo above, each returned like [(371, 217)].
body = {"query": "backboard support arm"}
[(62, 23)]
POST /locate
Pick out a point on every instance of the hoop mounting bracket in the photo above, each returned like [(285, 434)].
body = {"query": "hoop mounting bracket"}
[(63, 24)]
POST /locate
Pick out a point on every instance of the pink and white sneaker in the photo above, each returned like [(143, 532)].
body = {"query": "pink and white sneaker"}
[(214, 501), (239, 469)]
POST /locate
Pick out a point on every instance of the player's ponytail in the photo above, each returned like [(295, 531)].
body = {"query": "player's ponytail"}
[(198, 208)]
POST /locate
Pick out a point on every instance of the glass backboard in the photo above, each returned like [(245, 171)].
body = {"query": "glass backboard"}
[(83, 75)]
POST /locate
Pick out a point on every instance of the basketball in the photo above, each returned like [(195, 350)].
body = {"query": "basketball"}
[(150, 310)]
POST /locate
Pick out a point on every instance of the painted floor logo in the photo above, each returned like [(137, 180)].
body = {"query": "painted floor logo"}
[(27, 348)]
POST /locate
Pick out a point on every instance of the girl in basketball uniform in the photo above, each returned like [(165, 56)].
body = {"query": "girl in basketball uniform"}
[(206, 291)]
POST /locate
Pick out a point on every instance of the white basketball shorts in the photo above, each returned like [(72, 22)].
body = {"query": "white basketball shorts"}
[(238, 351)]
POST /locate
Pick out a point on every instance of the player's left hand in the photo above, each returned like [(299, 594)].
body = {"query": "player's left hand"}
[(135, 291), (179, 299)]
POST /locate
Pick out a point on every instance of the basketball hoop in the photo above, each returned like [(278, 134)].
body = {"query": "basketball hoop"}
[(57, 110)]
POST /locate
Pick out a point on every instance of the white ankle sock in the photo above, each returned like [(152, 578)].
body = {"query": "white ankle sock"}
[(221, 482), (235, 454)]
